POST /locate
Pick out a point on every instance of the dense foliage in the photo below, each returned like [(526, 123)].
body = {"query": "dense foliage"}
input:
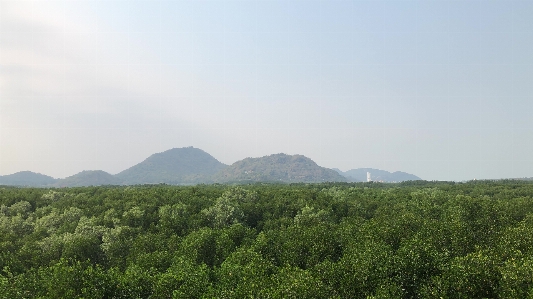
[(364, 240)]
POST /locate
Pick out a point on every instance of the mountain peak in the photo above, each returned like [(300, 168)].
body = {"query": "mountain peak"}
[(26, 178), (184, 165), (277, 167), (88, 178)]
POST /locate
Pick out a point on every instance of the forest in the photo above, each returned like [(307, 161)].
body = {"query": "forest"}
[(327, 240)]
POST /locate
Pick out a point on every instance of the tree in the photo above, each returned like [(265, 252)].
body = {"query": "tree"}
[(184, 279), (244, 274), (473, 276), (174, 218), (227, 208), (295, 283)]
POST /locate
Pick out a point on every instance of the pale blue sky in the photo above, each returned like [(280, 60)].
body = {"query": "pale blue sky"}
[(441, 89)]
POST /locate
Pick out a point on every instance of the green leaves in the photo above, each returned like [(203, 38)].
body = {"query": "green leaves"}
[(244, 274), (475, 275), (293, 282), (207, 246), (184, 279), (173, 218), (517, 278), (227, 209), (423, 240)]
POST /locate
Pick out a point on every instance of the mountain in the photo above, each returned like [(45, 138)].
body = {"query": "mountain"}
[(278, 167), (88, 178), (186, 165), (27, 179), (189, 165), (359, 175)]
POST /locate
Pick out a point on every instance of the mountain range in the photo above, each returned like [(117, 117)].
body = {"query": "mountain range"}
[(189, 165)]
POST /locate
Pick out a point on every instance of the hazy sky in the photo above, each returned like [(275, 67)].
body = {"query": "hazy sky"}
[(441, 89)]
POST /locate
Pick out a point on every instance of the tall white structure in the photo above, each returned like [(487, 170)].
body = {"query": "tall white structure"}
[(368, 177)]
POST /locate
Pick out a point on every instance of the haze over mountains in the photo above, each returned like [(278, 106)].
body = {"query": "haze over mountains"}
[(278, 167), (88, 178), (26, 178), (189, 165), (376, 175), (186, 165)]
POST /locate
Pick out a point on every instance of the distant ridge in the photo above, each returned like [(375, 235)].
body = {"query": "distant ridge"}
[(189, 166), (26, 179), (359, 175), (278, 168), (88, 178), (186, 165)]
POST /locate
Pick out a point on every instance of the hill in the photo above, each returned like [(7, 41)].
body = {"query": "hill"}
[(359, 175), (186, 165), (88, 178), (278, 167), (189, 165), (27, 179)]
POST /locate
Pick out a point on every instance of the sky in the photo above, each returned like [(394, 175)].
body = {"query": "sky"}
[(437, 88)]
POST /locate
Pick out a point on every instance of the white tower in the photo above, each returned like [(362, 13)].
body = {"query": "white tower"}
[(368, 177)]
